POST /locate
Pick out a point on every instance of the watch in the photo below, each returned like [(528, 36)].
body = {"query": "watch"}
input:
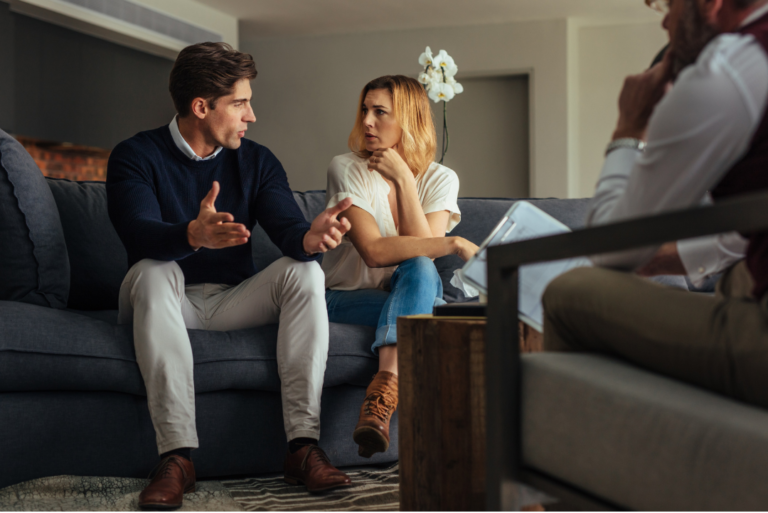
[(626, 142)]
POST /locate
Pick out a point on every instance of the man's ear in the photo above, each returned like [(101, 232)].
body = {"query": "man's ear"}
[(200, 108), (710, 10)]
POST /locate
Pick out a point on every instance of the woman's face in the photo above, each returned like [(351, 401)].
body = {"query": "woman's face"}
[(381, 128)]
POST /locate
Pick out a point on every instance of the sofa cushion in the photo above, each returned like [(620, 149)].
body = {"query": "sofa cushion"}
[(98, 260), (34, 267), (45, 349), (640, 440)]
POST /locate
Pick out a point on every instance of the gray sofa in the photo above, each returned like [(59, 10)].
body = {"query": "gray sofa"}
[(71, 396)]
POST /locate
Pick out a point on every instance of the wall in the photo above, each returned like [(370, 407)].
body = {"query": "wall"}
[(489, 145), (7, 65), (307, 89), (70, 87), (606, 55), (72, 162)]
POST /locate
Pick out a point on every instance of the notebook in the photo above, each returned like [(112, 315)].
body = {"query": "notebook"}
[(523, 221)]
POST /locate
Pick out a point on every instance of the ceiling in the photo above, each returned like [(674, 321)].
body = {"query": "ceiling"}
[(290, 18)]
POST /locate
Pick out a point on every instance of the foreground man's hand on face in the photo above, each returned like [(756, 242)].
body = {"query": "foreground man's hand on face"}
[(327, 231), (215, 230), (639, 97)]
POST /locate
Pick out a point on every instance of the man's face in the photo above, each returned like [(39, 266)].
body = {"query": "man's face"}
[(227, 123), (689, 32)]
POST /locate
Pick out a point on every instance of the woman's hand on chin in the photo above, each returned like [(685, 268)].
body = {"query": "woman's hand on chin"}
[(390, 165)]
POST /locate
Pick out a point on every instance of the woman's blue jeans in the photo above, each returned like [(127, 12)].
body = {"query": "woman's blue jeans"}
[(415, 287)]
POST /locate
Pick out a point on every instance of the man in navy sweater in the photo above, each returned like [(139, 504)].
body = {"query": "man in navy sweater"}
[(182, 198)]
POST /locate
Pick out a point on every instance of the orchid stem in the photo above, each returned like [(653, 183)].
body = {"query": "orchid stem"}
[(445, 123), (446, 139)]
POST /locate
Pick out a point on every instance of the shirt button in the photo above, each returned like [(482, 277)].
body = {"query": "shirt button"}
[(701, 270)]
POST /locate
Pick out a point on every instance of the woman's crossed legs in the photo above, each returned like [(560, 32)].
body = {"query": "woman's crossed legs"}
[(415, 288)]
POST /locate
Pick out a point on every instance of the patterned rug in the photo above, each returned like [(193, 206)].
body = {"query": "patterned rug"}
[(374, 489)]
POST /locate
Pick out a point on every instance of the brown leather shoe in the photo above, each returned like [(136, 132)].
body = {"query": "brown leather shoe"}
[(311, 467), (372, 430), (173, 477)]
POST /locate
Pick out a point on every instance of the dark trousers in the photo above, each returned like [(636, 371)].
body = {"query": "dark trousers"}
[(718, 342)]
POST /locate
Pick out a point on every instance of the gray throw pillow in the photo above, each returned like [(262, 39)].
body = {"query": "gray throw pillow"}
[(34, 266)]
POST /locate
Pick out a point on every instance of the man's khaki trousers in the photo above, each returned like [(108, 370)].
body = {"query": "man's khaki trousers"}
[(154, 297), (716, 342)]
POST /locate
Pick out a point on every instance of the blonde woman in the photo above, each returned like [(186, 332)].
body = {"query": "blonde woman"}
[(403, 205)]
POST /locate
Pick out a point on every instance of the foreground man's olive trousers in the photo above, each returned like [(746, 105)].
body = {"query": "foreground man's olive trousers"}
[(155, 299), (718, 342)]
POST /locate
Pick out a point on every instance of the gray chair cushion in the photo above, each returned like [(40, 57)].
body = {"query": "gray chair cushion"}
[(641, 440), (45, 349), (97, 257), (34, 267)]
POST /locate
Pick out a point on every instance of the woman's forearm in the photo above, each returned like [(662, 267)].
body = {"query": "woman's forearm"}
[(387, 251), (412, 220)]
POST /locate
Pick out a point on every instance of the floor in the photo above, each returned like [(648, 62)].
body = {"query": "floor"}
[(374, 489)]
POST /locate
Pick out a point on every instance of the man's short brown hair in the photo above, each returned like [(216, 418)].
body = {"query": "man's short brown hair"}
[(209, 71)]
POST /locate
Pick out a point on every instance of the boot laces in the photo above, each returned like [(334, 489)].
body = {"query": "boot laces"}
[(378, 405)]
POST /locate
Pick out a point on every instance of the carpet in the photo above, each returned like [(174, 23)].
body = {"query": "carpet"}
[(373, 489)]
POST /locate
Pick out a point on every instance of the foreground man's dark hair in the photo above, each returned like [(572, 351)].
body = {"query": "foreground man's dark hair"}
[(209, 71)]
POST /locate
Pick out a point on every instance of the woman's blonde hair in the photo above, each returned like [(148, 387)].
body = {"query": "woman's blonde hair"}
[(412, 112)]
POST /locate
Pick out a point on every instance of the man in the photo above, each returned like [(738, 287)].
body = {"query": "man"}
[(708, 132), (701, 259), (182, 199)]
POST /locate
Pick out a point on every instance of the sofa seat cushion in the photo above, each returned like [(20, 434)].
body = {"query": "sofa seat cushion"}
[(47, 349), (640, 440)]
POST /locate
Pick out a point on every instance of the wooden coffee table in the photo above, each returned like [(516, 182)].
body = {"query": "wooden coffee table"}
[(441, 412)]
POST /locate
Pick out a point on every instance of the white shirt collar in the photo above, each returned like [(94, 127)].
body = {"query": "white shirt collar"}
[(185, 148), (759, 13)]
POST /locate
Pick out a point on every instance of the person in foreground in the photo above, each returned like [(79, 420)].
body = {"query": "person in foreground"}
[(709, 132), (403, 203), (181, 198)]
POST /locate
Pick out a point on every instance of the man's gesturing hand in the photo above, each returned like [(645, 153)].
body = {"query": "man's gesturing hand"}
[(213, 229), (326, 230)]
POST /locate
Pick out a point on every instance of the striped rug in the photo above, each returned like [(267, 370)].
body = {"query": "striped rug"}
[(373, 489)]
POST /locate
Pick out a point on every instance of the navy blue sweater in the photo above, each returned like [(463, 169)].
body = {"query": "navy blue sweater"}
[(154, 191)]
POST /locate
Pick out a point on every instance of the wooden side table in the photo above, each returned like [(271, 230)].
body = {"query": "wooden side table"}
[(441, 412)]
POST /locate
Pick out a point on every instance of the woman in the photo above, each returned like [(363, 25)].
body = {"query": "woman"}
[(403, 205)]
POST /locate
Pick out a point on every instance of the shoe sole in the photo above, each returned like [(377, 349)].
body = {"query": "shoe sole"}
[(294, 481), (370, 441), (165, 506)]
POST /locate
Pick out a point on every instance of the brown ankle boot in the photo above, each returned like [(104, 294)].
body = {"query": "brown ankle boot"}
[(372, 430)]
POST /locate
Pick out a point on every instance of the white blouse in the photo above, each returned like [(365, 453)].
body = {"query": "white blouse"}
[(349, 177)]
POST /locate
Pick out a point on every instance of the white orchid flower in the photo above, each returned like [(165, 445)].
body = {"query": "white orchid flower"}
[(441, 92), (425, 79), (451, 70), (457, 88), (445, 61), (435, 75), (425, 59)]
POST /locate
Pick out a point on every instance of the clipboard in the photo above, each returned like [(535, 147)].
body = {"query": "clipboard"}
[(523, 221)]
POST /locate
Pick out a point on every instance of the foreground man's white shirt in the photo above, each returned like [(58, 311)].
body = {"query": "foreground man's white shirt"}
[(696, 134)]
